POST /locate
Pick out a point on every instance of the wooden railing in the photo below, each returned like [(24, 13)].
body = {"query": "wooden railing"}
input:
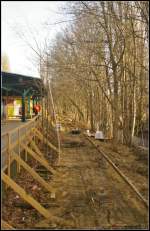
[(11, 141)]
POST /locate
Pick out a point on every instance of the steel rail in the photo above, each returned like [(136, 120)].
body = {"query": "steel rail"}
[(125, 178)]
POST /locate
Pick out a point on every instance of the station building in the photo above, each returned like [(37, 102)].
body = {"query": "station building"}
[(19, 95)]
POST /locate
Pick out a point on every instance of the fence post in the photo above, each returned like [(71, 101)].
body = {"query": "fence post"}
[(9, 143), (26, 155), (34, 130), (18, 164)]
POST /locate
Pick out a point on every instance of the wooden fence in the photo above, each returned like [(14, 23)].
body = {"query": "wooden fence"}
[(14, 142), (11, 140)]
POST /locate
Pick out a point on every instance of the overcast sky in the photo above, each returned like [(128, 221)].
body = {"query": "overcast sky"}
[(28, 17)]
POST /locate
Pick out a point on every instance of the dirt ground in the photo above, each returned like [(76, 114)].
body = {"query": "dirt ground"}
[(133, 163), (88, 195), (95, 195)]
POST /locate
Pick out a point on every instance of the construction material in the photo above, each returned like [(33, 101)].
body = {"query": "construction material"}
[(76, 131), (99, 135), (6, 226), (25, 196), (39, 159), (34, 174)]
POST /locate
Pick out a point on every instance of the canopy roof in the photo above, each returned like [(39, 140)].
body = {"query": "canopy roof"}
[(17, 85)]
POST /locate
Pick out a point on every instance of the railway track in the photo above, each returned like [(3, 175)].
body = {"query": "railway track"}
[(93, 194), (105, 202), (109, 198), (125, 178)]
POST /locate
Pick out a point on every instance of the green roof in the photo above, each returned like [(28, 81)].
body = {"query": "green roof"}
[(16, 84)]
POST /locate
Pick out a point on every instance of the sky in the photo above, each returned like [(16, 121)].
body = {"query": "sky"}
[(28, 18)]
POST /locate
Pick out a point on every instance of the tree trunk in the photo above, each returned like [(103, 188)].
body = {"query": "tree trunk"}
[(116, 112)]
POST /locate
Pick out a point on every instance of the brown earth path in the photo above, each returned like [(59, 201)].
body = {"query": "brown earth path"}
[(90, 194)]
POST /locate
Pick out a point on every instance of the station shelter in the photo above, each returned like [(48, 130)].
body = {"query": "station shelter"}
[(19, 96)]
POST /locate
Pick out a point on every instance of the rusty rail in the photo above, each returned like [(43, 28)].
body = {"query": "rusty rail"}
[(125, 178)]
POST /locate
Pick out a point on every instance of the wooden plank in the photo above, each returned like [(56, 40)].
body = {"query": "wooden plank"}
[(35, 147), (5, 167), (26, 154), (34, 174), (32, 201), (40, 159), (13, 145), (40, 136), (11, 158), (9, 154), (6, 226), (18, 166), (34, 132), (22, 126), (45, 223), (25, 196)]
